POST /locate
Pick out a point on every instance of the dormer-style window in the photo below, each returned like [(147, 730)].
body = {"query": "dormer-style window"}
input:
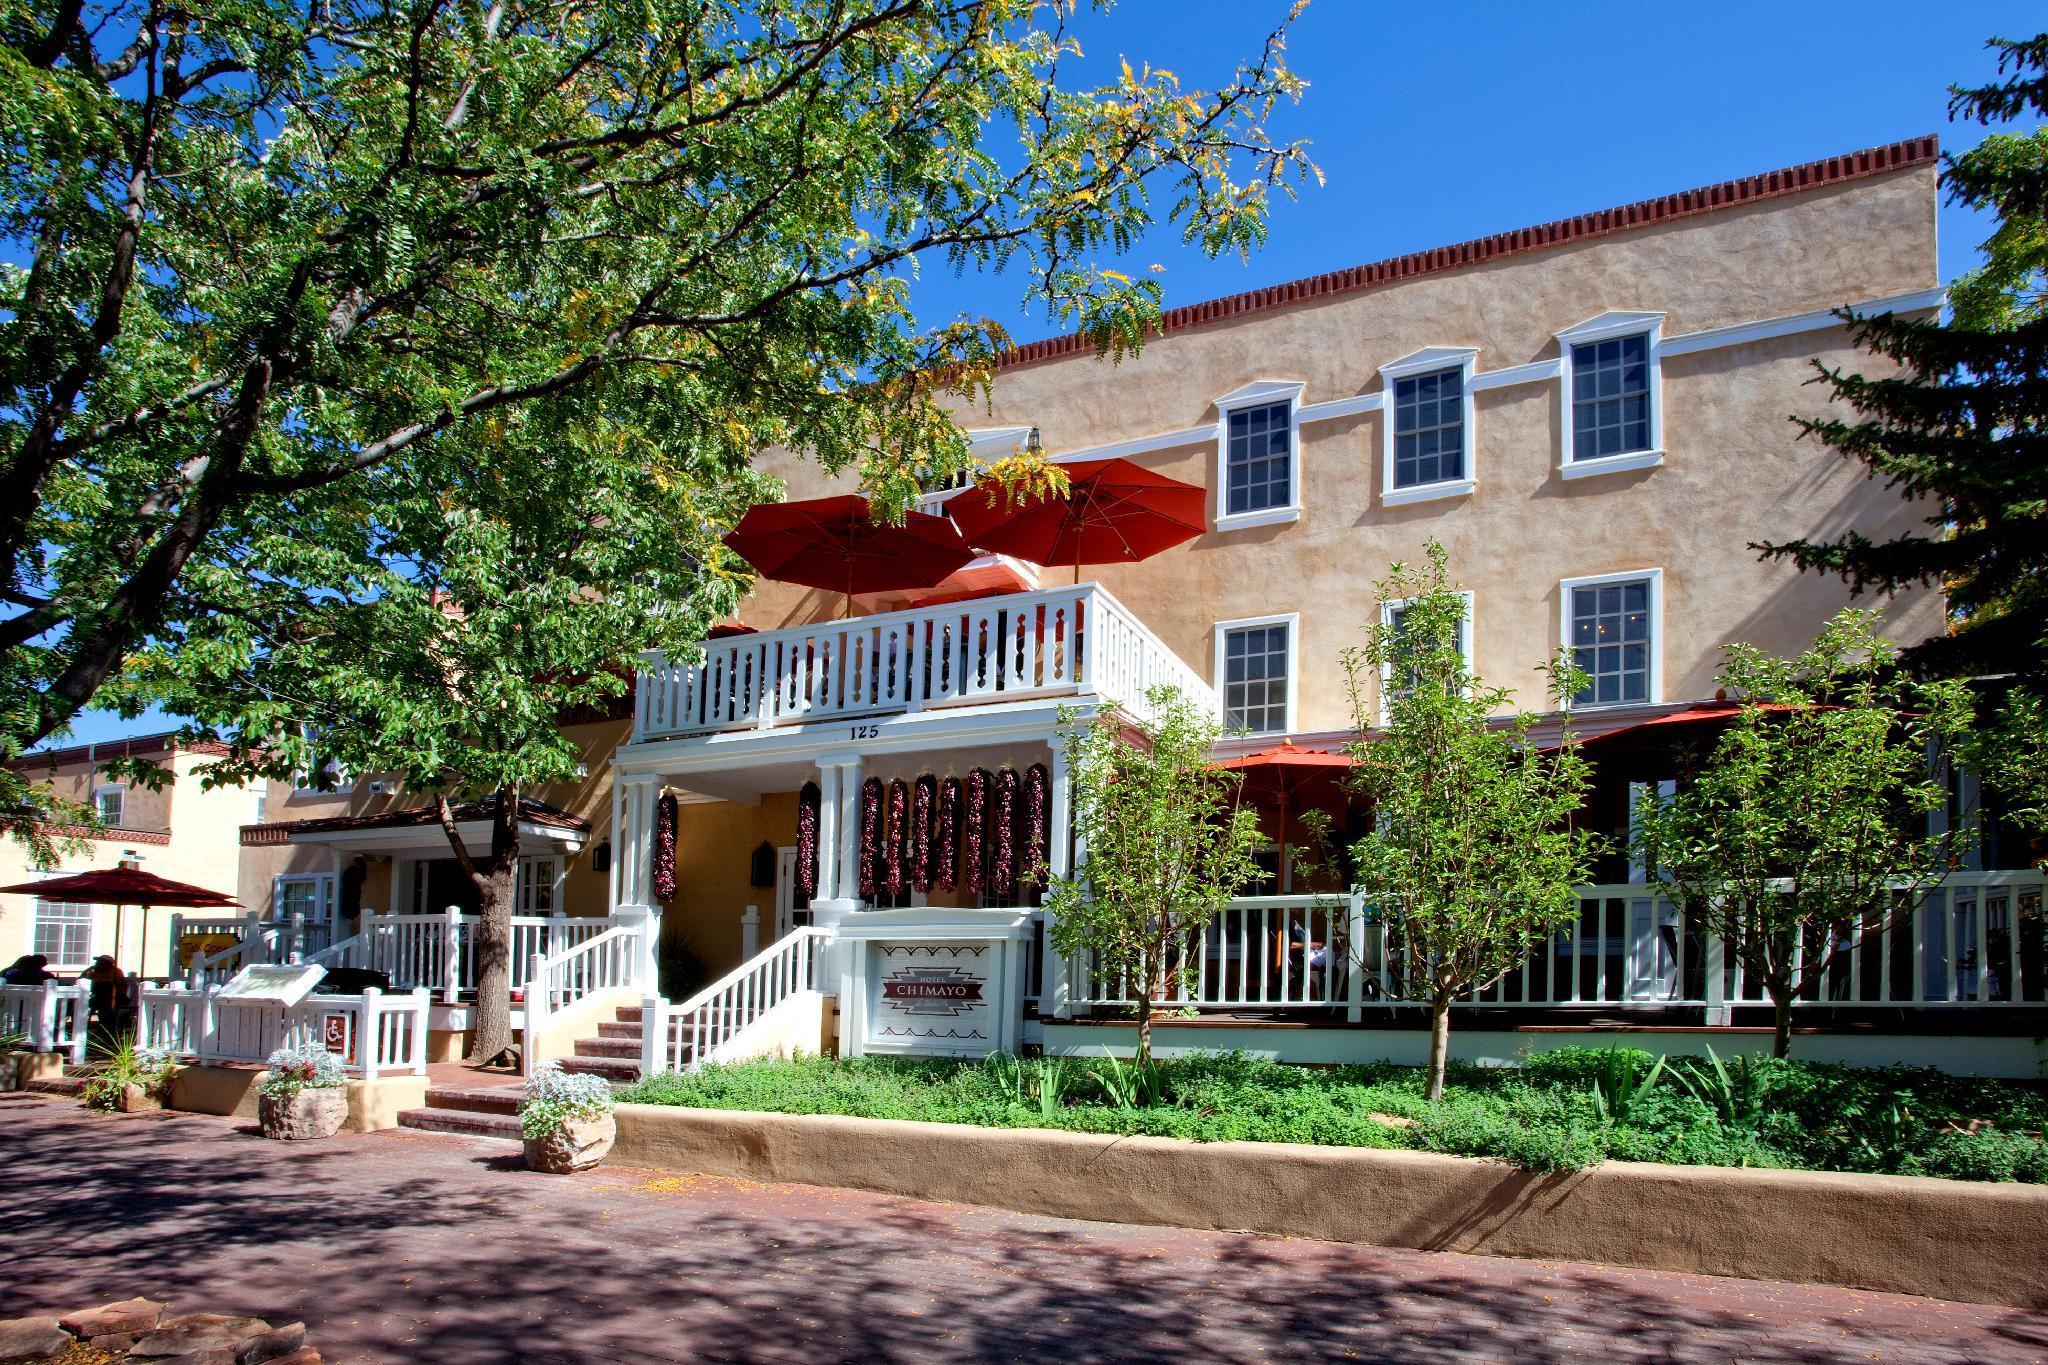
[(1258, 467), (1428, 421), (1612, 400)]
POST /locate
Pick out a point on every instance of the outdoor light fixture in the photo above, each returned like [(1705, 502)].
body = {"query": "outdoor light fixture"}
[(601, 857), (1034, 444), (764, 864)]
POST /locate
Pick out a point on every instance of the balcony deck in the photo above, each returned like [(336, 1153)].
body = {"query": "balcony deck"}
[(1074, 642)]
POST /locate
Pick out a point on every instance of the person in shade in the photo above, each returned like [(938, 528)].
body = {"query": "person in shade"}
[(30, 969)]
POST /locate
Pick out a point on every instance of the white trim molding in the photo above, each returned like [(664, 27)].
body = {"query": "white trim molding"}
[(1606, 327), (1221, 633), (1259, 393), (1745, 333), (1655, 578), (1468, 645), (1428, 360)]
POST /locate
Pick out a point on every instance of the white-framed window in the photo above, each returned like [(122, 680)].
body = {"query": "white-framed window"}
[(536, 888), (310, 894), (63, 930), (1390, 616), (1255, 671), (111, 801), (1612, 400), (1427, 407), (1258, 455), (1613, 624)]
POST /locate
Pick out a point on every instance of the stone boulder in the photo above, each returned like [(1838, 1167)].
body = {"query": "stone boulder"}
[(315, 1112), (128, 1316), (577, 1145), (200, 1335), (31, 1339)]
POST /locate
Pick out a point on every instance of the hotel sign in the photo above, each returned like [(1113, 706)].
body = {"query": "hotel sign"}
[(931, 997)]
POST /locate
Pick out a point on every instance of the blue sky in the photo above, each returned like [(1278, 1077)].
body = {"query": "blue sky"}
[(1430, 132)]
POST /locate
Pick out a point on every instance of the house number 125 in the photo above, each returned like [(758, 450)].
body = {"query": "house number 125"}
[(865, 731)]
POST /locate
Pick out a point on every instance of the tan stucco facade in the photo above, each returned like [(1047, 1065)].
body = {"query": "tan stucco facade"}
[(1735, 469), (185, 832)]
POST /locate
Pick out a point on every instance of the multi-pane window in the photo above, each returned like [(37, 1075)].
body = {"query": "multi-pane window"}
[(311, 897), (1396, 618), (1429, 428), (64, 933), (1611, 397), (1257, 462), (1255, 678), (1610, 640), (111, 802), (536, 886)]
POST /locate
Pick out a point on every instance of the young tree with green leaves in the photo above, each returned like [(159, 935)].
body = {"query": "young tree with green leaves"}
[(1806, 826), (1168, 847), (266, 248), (1473, 858)]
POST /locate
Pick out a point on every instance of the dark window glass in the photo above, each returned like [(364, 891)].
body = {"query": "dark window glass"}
[(1429, 428), (1610, 397), (1611, 641), (1256, 460), (1255, 678)]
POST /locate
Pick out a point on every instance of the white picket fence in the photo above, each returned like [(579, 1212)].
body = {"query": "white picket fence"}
[(372, 1034), (50, 1017), (707, 1027)]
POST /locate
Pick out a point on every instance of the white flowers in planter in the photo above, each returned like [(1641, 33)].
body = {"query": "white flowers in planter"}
[(303, 1066), (555, 1098)]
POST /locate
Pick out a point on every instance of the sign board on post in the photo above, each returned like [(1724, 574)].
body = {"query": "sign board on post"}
[(338, 1035), (933, 981), (271, 984), (932, 996)]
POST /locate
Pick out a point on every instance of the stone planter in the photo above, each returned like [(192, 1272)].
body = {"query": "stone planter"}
[(315, 1112), (136, 1099), (577, 1145)]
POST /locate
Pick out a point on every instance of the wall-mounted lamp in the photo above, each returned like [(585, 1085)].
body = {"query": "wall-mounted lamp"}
[(601, 857), (1034, 445), (764, 865)]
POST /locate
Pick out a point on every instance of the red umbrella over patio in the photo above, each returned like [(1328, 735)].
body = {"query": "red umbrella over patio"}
[(1292, 779), (835, 544), (1113, 512), (124, 885)]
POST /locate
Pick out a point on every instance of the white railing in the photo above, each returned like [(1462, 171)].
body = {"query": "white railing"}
[(554, 981), (50, 1017), (707, 1027), (1261, 952), (257, 940), (438, 950), (372, 1034), (1053, 642)]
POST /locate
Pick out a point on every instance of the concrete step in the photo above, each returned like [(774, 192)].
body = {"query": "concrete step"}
[(502, 1099), (56, 1085), (634, 1030), (465, 1122), (618, 1070), (608, 1047)]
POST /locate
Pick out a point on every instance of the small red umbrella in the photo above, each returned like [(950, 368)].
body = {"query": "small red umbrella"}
[(1113, 512), (1291, 778), (1655, 749), (124, 885), (834, 543)]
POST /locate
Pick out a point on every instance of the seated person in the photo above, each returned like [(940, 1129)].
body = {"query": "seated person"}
[(109, 988), (30, 969)]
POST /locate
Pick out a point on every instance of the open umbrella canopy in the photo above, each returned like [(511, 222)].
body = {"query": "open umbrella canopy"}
[(1291, 777), (1655, 749), (835, 544), (1113, 512), (123, 886)]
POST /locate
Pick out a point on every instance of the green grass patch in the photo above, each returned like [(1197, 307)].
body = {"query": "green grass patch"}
[(1561, 1111)]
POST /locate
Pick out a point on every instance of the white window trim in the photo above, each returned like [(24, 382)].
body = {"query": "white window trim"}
[(1564, 629), (1428, 360), (119, 789), (1291, 620), (1609, 325), (1387, 610), (324, 897), (1257, 395), (90, 920)]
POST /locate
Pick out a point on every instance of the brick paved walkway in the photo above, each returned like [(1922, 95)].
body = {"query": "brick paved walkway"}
[(415, 1247)]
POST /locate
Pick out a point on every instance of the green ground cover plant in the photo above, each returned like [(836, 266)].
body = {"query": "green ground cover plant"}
[(1559, 1111)]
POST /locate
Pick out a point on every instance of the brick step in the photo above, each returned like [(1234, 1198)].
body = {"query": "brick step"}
[(56, 1085), (635, 1031), (608, 1047), (466, 1122), (628, 1014), (503, 1099), (618, 1070)]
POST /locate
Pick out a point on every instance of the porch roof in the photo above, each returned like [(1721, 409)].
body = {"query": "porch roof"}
[(398, 830)]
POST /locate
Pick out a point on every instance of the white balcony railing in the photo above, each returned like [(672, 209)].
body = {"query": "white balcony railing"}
[(1073, 641)]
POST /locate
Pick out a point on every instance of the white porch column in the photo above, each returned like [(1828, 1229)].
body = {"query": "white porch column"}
[(839, 778), (1057, 995), (828, 834), (633, 804)]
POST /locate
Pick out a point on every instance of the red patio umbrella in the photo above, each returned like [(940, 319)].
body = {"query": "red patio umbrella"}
[(1113, 512), (124, 885), (835, 544), (1291, 778), (1651, 750)]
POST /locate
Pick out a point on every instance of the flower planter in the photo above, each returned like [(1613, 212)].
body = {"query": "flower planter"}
[(136, 1099), (315, 1112), (577, 1145)]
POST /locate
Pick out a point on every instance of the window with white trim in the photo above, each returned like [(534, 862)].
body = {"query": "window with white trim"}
[(1258, 458), (309, 894), (1429, 428), (1612, 416), (1255, 673), (111, 801), (1612, 629), (63, 931), (536, 895), (1391, 614)]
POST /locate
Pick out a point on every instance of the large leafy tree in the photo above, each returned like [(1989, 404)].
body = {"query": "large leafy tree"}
[(1168, 845), (1473, 857), (1806, 826), (269, 247), (1958, 422)]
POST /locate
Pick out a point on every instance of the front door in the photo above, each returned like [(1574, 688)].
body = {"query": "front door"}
[(792, 907)]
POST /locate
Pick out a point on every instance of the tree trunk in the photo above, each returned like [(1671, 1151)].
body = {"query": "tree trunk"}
[(1439, 1045), (494, 880), (1144, 1030), (1781, 1020)]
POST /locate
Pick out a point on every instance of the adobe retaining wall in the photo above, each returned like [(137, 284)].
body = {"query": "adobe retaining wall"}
[(1942, 1238)]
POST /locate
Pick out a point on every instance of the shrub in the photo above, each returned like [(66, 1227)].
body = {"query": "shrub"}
[(303, 1066), (124, 1065), (555, 1097)]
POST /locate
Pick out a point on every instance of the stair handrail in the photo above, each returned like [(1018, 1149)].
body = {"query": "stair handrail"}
[(341, 954), (748, 991), (620, 942)]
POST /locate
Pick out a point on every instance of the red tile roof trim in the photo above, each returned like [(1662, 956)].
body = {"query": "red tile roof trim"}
[(155, 837), (1897, 156)]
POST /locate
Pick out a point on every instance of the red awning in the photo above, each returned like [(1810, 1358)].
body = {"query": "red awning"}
[(123, 886)]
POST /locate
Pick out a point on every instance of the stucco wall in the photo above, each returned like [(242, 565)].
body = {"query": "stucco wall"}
[(1735, 472)]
